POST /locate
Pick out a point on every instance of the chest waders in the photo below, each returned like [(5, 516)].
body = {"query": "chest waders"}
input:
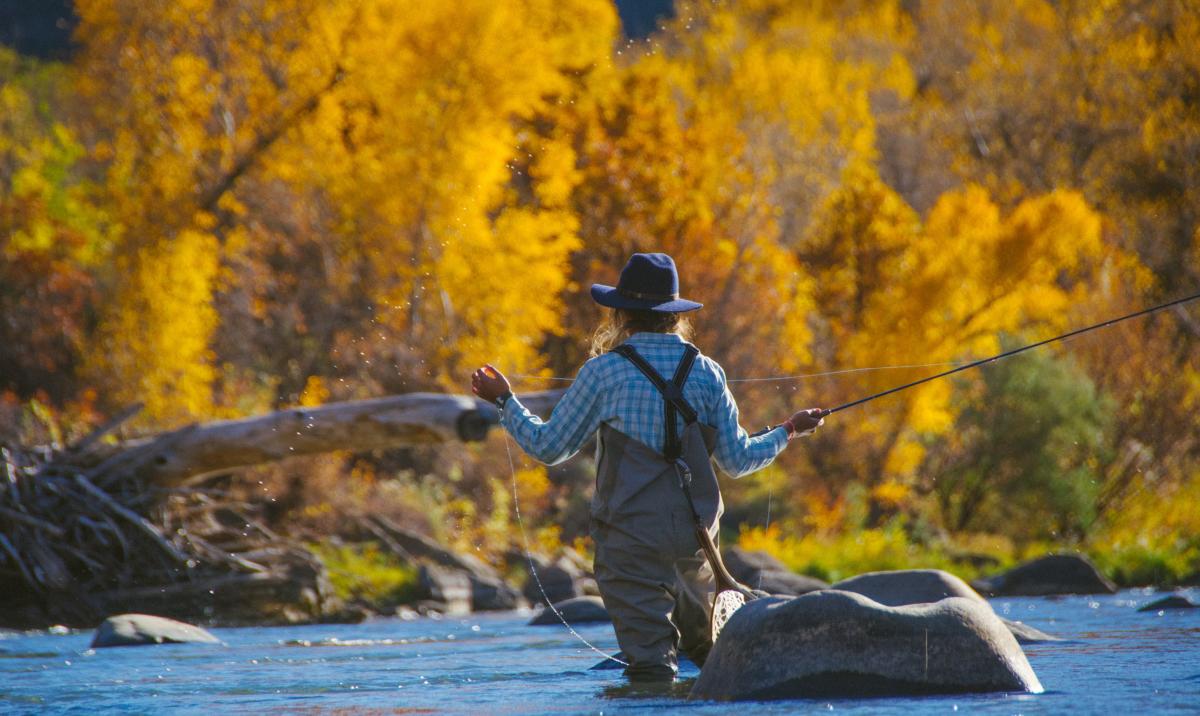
[(655, 516)]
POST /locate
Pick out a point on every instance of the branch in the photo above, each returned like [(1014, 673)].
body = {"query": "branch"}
[(208, 200)]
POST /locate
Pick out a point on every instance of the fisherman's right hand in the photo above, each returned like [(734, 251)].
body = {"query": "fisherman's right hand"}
[(805, 422)]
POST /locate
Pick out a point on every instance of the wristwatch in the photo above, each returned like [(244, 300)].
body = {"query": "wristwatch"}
[(502, 399)]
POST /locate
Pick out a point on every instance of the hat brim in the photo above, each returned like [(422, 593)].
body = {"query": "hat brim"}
[(608, 296)]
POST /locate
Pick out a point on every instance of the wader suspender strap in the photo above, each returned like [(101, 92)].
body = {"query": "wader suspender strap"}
[(673, 400), (672, 393)]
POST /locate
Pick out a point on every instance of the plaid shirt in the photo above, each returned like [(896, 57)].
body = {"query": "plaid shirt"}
[(609, 389)]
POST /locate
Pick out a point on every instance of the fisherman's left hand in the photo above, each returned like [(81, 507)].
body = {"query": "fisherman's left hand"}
[(489, 383)]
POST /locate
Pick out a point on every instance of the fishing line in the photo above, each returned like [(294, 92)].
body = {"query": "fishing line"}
[(1013, 352), (529, 556), (766, 528), (778, 378), (805, 376)]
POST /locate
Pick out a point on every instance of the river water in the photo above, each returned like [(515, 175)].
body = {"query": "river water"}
[(1116, 661)]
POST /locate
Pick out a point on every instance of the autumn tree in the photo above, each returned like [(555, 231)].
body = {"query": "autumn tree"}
[(53, 234), (1034, 95), (372, 136)]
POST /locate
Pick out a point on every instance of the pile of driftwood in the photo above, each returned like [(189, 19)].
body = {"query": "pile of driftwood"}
[(98, 527), (81, 538)]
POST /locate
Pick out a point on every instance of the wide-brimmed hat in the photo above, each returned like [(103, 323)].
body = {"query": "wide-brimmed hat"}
[(648, 282)]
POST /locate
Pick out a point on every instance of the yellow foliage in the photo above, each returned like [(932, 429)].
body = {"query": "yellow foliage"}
[(1153, 539), (153, 345), (903, 292), (839, 555), (891, 494), (821, 516), (533, 484), (315, 392), (548, 539)]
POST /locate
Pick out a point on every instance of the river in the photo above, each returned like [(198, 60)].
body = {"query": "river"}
[(1116, 660)]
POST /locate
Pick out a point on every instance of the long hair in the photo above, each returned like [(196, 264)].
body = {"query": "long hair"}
[(621, 323)]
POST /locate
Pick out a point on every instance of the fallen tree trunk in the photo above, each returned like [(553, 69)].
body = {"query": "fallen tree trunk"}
[(197, 451)]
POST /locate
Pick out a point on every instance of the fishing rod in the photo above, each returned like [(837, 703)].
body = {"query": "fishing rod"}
[(1006, 354)]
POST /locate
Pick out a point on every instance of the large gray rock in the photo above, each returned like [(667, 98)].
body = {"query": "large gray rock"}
[(493, 594), (923, 586), (576, 611), (908, 586), (833, 643), (560, 580), (142, 629), (444, 589), (745, 561), (1053, 574), (785, 584), (759, 570)]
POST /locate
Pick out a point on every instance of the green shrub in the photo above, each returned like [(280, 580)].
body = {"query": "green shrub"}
[(361, 572)]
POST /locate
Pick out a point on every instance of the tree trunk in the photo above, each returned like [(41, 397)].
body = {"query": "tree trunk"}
[(197, 451)]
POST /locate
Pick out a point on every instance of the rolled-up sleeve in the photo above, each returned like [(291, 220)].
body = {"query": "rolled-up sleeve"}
[(737, 452), (572, 422)]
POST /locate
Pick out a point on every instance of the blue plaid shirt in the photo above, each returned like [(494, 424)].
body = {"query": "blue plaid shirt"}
[(610, 389)]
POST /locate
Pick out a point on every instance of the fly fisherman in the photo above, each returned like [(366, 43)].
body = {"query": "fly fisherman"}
[(662, 411)]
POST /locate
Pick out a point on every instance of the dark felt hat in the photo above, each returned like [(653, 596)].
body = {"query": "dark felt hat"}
[(648, 282)]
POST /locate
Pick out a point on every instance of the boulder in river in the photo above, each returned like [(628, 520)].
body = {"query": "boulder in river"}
[(761, 571), (923, 586), (908, 586), (833, 643), (1026, 634), (1049, 575), (576, 611), (746, 562), (787, 584), (142, 629), (1174, 601)]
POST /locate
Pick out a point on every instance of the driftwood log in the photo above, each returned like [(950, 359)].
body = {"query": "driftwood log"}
[(197, 451), (89, 529)]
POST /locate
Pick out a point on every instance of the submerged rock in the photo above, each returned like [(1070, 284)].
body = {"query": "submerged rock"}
[(1026, 634), (1175, 601), (575, 611), (1053, 574), (833, 643), (908, 586), (142, 629)]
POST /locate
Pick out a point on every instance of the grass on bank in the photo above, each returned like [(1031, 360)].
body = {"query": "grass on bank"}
[(1165, 555), (362, 573)]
